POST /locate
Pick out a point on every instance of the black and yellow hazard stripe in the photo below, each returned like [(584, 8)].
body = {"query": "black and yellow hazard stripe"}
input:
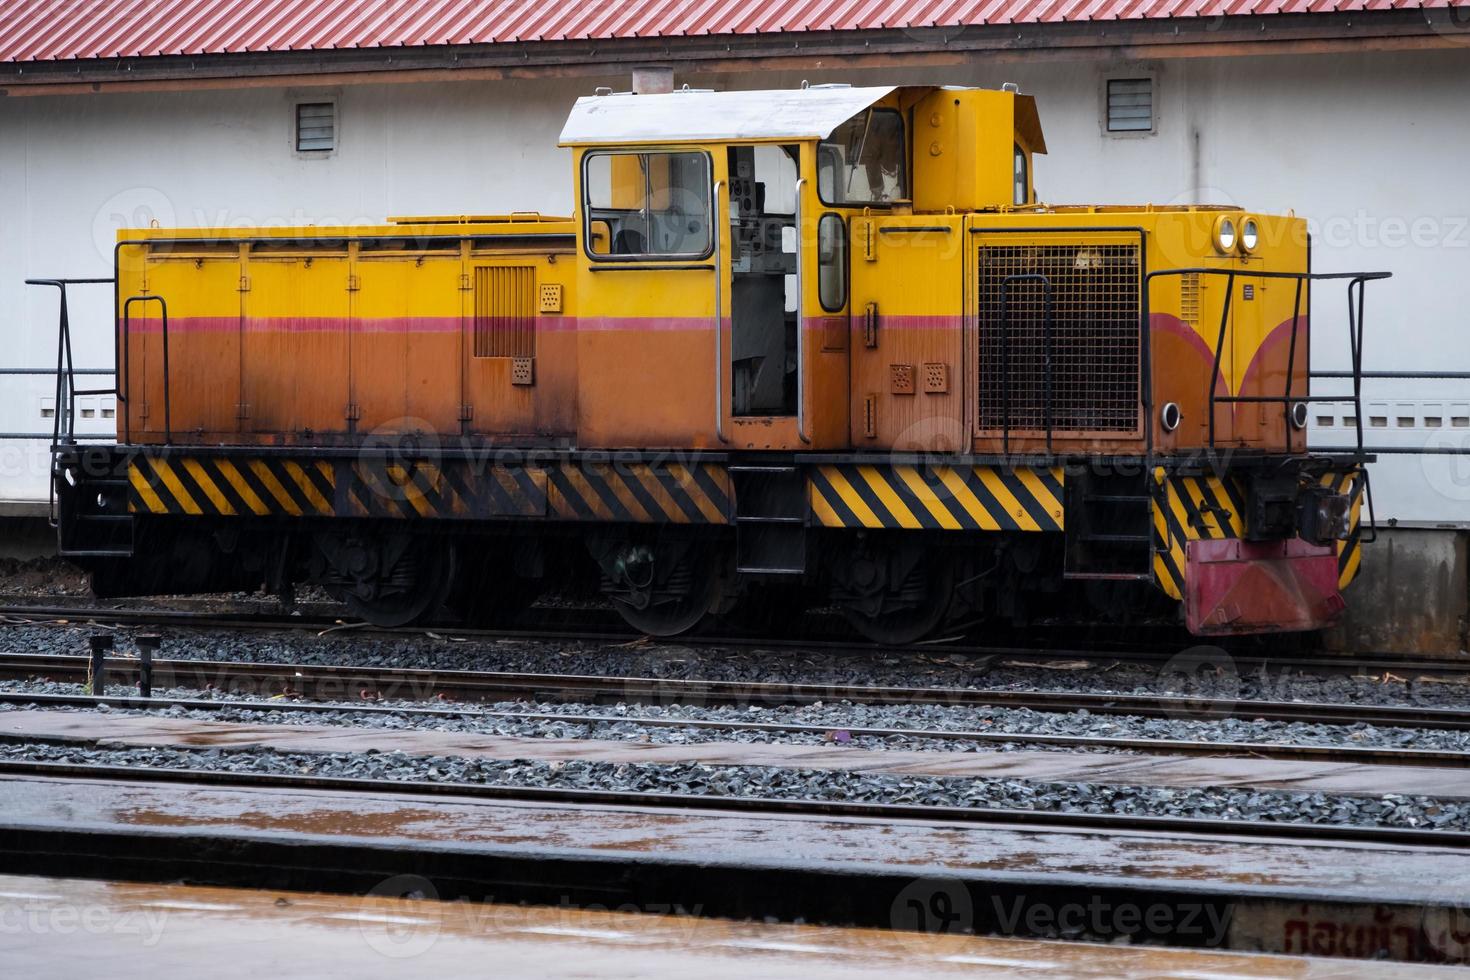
[(238, 486), (1352, 483), (659, 493), (951, 498), (1191, 508), (677, 493), (446, 490)]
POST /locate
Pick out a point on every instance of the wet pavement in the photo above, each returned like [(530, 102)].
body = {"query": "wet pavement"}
[(1242, 894), (115, 730), (69, 928)]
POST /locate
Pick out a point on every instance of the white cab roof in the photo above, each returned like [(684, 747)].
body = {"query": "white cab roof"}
[(690, 117)]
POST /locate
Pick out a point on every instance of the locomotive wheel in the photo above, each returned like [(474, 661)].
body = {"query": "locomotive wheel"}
[(412, 588), (664, 588), (908, 610)]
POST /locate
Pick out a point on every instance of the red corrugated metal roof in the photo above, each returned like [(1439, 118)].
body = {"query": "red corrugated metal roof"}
[(64, 30)]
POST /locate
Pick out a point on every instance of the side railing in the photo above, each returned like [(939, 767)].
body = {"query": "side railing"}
[(63, 426), (1356, 283)]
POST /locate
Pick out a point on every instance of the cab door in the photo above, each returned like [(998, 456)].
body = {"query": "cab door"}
[(784, 273), (649, 305)]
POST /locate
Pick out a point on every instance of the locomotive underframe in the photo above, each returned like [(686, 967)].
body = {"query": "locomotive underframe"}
[(899, 543)]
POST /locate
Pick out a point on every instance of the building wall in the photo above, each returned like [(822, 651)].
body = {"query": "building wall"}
[(1370, 147)]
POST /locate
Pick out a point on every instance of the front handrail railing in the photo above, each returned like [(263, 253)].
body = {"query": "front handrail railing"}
[(1356, 284), (63, 426)]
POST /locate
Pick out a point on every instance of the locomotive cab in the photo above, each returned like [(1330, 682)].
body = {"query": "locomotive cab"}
[(787, 174)]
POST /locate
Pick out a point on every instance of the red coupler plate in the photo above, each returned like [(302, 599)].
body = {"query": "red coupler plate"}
[(1235, 586)]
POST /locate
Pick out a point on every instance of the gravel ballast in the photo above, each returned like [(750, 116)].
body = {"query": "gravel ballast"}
[(833, 717)]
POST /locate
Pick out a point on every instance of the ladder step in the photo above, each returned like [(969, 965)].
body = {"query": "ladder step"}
[(751, 468), (750, 519), (102, 518), (756, 570), (1109, 498), (1118, 538)]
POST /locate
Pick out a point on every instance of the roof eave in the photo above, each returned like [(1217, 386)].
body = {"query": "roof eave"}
[(832, 51)]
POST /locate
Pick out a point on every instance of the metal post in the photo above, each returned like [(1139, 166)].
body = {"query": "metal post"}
[(721, 224), (100, 644), (1296, 313), (1219, 348), (1005, 371), (147, 645), (800, 325)]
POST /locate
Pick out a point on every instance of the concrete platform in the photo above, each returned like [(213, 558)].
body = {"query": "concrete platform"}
[(69, 928), (1260, 895), (1109, 768)]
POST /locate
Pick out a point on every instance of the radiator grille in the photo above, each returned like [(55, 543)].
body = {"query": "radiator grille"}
[(1095, 358), (505, 311)]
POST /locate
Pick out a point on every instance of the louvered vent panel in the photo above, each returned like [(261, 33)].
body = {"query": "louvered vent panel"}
[(1189, 298), (505, 311), (1095, 355), (316, 126), (1130, 105)]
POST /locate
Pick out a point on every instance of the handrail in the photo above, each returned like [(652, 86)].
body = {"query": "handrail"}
[(66, 385), (800, 331), (127, 332), (1356, 285), (721, 226)]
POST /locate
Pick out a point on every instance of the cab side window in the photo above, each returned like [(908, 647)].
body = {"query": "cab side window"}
[(1023, 182), (832, 262), (646, 205)]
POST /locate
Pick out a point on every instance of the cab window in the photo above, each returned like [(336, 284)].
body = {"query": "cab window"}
[(862, 162), (1022, 183), (832, 262), (642, 205)]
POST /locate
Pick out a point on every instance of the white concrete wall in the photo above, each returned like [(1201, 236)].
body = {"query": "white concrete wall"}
[(1371, 148)]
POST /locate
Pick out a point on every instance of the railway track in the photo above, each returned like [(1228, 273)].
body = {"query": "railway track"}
[(1247, 750), (993, 816), (365, 683), (588, 626)]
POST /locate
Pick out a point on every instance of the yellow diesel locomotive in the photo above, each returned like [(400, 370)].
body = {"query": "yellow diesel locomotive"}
[(809, 347)]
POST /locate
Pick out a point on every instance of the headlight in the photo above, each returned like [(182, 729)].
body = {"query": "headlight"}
[(1225, 234), (1250, 233)]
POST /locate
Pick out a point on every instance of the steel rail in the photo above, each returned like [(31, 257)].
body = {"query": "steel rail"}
[(471, 685), (1361, 755), (1040, 820)]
